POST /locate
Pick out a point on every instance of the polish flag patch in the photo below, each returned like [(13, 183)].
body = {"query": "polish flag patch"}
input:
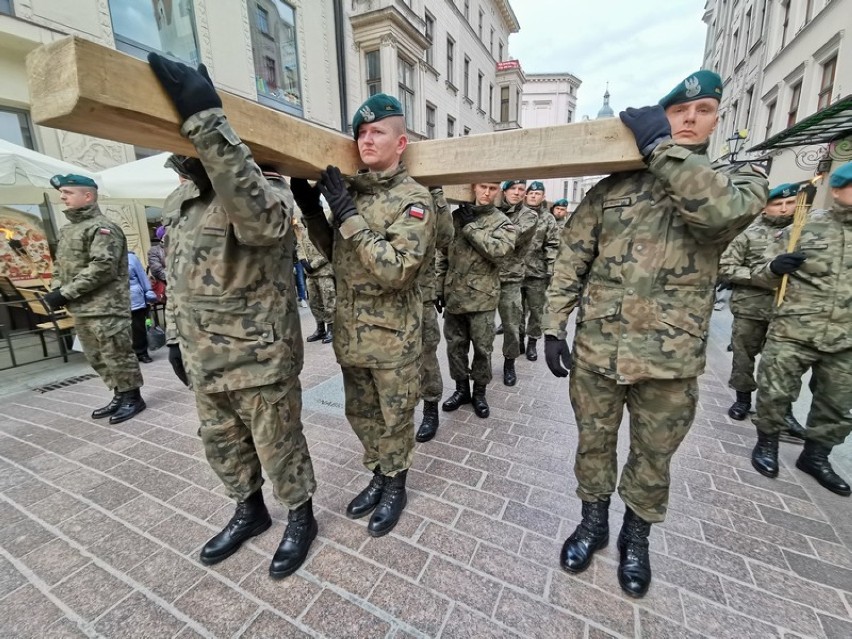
[(416, 211), (103, 231)]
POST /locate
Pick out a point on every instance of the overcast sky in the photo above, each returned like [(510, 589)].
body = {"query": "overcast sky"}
[(642, 48)]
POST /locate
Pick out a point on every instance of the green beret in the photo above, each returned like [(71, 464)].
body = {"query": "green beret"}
[(536, 186), (562, 202), (782, 191), (701, 84), (377, 107), (58, 181), (841, 177), (508, 184)]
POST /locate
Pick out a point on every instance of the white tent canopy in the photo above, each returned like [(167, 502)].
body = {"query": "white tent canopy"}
[(25, 174), (144, 181)]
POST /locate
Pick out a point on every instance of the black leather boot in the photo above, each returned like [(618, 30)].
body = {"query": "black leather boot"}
[(794, 431), (740, 408), (317, 334), (813, 460), (429, 425), (131, 404), (498, 330), (634, 566), (510, 378), (480, 404), (390, 506), (367, 499), (532, 354), (300, 532), (109, 409), (764, 457), (328, 338), (592, 534), (250, 519), (461, 396)]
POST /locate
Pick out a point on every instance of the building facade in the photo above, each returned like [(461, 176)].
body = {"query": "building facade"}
[(781, 61)]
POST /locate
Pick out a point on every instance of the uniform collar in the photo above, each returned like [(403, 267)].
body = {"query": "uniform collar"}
[(371, 183), (777, 222), (843, 213), (82, 213)]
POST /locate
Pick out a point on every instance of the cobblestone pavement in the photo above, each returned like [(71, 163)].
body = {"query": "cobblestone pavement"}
[(100, 527)]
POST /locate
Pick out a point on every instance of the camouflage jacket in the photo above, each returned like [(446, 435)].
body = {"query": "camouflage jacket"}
[(229, 256), (525, 221), (377, 257), (305, 250), (543, 246), (746, 258), (90, 268), (469, 276), (640, 258), (443, 237), (817, 307)]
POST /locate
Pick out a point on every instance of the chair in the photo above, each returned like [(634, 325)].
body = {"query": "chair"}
[(59, 322)]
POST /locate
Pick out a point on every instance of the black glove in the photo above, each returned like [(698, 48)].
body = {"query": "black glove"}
[(556, 349), (55, 299), (190, 90), (649, 126), (787, 263), (440, 304), (176, 360), (465, 215), (333, 188), (307, 266), (16, 245), (307, 197)]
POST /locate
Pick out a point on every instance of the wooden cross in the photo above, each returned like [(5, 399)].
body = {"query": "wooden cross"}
[(80, 86)]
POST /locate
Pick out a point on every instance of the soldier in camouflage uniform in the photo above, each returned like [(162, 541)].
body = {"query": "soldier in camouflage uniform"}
[(431, 384), (539, 268), (232, 322), (383, 236), (559, 210), (811, 329), (91, 278), (640, 257), (320, 284), (470, 277), (512, 269), (751, 304)]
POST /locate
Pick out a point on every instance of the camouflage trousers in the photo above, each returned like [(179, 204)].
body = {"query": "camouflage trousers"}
[(461, 331), (533, 297), (779, 378), (108, 347), (380, 408), (322, 298), (252, 429), (661, 413), (509, 309), (431, 384), (747, 337)]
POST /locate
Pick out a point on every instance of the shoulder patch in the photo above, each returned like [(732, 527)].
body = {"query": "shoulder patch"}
[(618, 202), (104, 231), (417, 211)]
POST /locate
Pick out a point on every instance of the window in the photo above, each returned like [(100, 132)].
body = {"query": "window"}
[(430, 36), (565, 189), (479, 90), (795, 96), (451, 126), (491, 101), (770, 116), (504, 104), (451, 52), (430, 121), (826, 86), (467, 77), (262, 17), (785, 23), (734, 108), (575, 191), (406, 91), (748, 29), (6, 7), (374, 72), (570, 117), (142, 26), (276, 57), (467, 130), (500, 52), (735, 47), (479, 28), (467, 10), (809, 9), (749, 96), (491, 43)]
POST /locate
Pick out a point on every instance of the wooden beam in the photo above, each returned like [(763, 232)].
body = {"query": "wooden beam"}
[(87, 88)]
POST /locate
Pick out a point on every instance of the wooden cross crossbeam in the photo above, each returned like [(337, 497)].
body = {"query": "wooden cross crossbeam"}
[(80, 86)]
